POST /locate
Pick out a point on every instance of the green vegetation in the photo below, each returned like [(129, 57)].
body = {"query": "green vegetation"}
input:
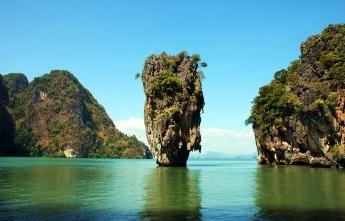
[(171, 63), (137, 75), (317, 104), (15, 83), (3, 92), (55, 112), (333, 58), (333, 61), (275, 100), (24, 141), (166, 84), (282, 97), (329, 59), (203, 64)]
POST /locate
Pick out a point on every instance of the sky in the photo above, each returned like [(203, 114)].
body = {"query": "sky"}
[(104, 43)]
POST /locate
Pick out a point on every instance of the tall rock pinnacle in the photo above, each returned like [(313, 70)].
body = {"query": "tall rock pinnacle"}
[(174, 100)]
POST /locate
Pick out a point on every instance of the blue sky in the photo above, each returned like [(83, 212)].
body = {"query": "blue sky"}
[(105, 42)]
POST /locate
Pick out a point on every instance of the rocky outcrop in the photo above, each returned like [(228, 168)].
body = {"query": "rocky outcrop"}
[(299, 118), (6, 123), (174, 100), (56, 116), (16, 83)]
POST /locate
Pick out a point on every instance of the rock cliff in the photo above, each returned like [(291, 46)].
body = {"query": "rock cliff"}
[(299, 118), (6, 123), (174, 100), (55, 115)]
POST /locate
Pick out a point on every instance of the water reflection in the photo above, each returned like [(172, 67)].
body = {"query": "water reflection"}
[(290, 193), (42, 192), (172, 194)]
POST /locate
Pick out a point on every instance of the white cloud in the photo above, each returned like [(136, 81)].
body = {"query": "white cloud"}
[(213, 139), (132, 126), (131, 123)]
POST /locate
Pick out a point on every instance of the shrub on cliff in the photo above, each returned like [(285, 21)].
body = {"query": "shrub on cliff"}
[(275, 100)]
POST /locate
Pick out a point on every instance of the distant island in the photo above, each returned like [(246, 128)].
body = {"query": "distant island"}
[(222, 155), (55, 116), (299, 118)]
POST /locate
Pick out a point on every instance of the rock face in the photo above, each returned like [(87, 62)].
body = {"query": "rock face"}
[(174, 100), (6, 123), (16, 83), (299, 118), (56, 116)]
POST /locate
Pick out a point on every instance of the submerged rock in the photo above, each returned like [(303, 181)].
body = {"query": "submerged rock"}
[(299, 118), (174, 100)]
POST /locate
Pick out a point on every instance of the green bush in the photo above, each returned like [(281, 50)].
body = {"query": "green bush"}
[(24, 140), (317, 104), (166, 84), (275, 101), (329, 58)]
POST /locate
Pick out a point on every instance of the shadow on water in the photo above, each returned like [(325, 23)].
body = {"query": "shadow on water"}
[(172, 194), (300, 193)]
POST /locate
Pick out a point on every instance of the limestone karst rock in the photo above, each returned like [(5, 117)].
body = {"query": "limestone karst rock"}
[(299, 118), (6, 122), (55, 115), (174, 101)]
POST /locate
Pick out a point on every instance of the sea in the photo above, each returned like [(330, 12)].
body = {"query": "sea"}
[(207, 189)]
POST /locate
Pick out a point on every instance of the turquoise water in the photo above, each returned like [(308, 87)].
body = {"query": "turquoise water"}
[(106, 189)]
